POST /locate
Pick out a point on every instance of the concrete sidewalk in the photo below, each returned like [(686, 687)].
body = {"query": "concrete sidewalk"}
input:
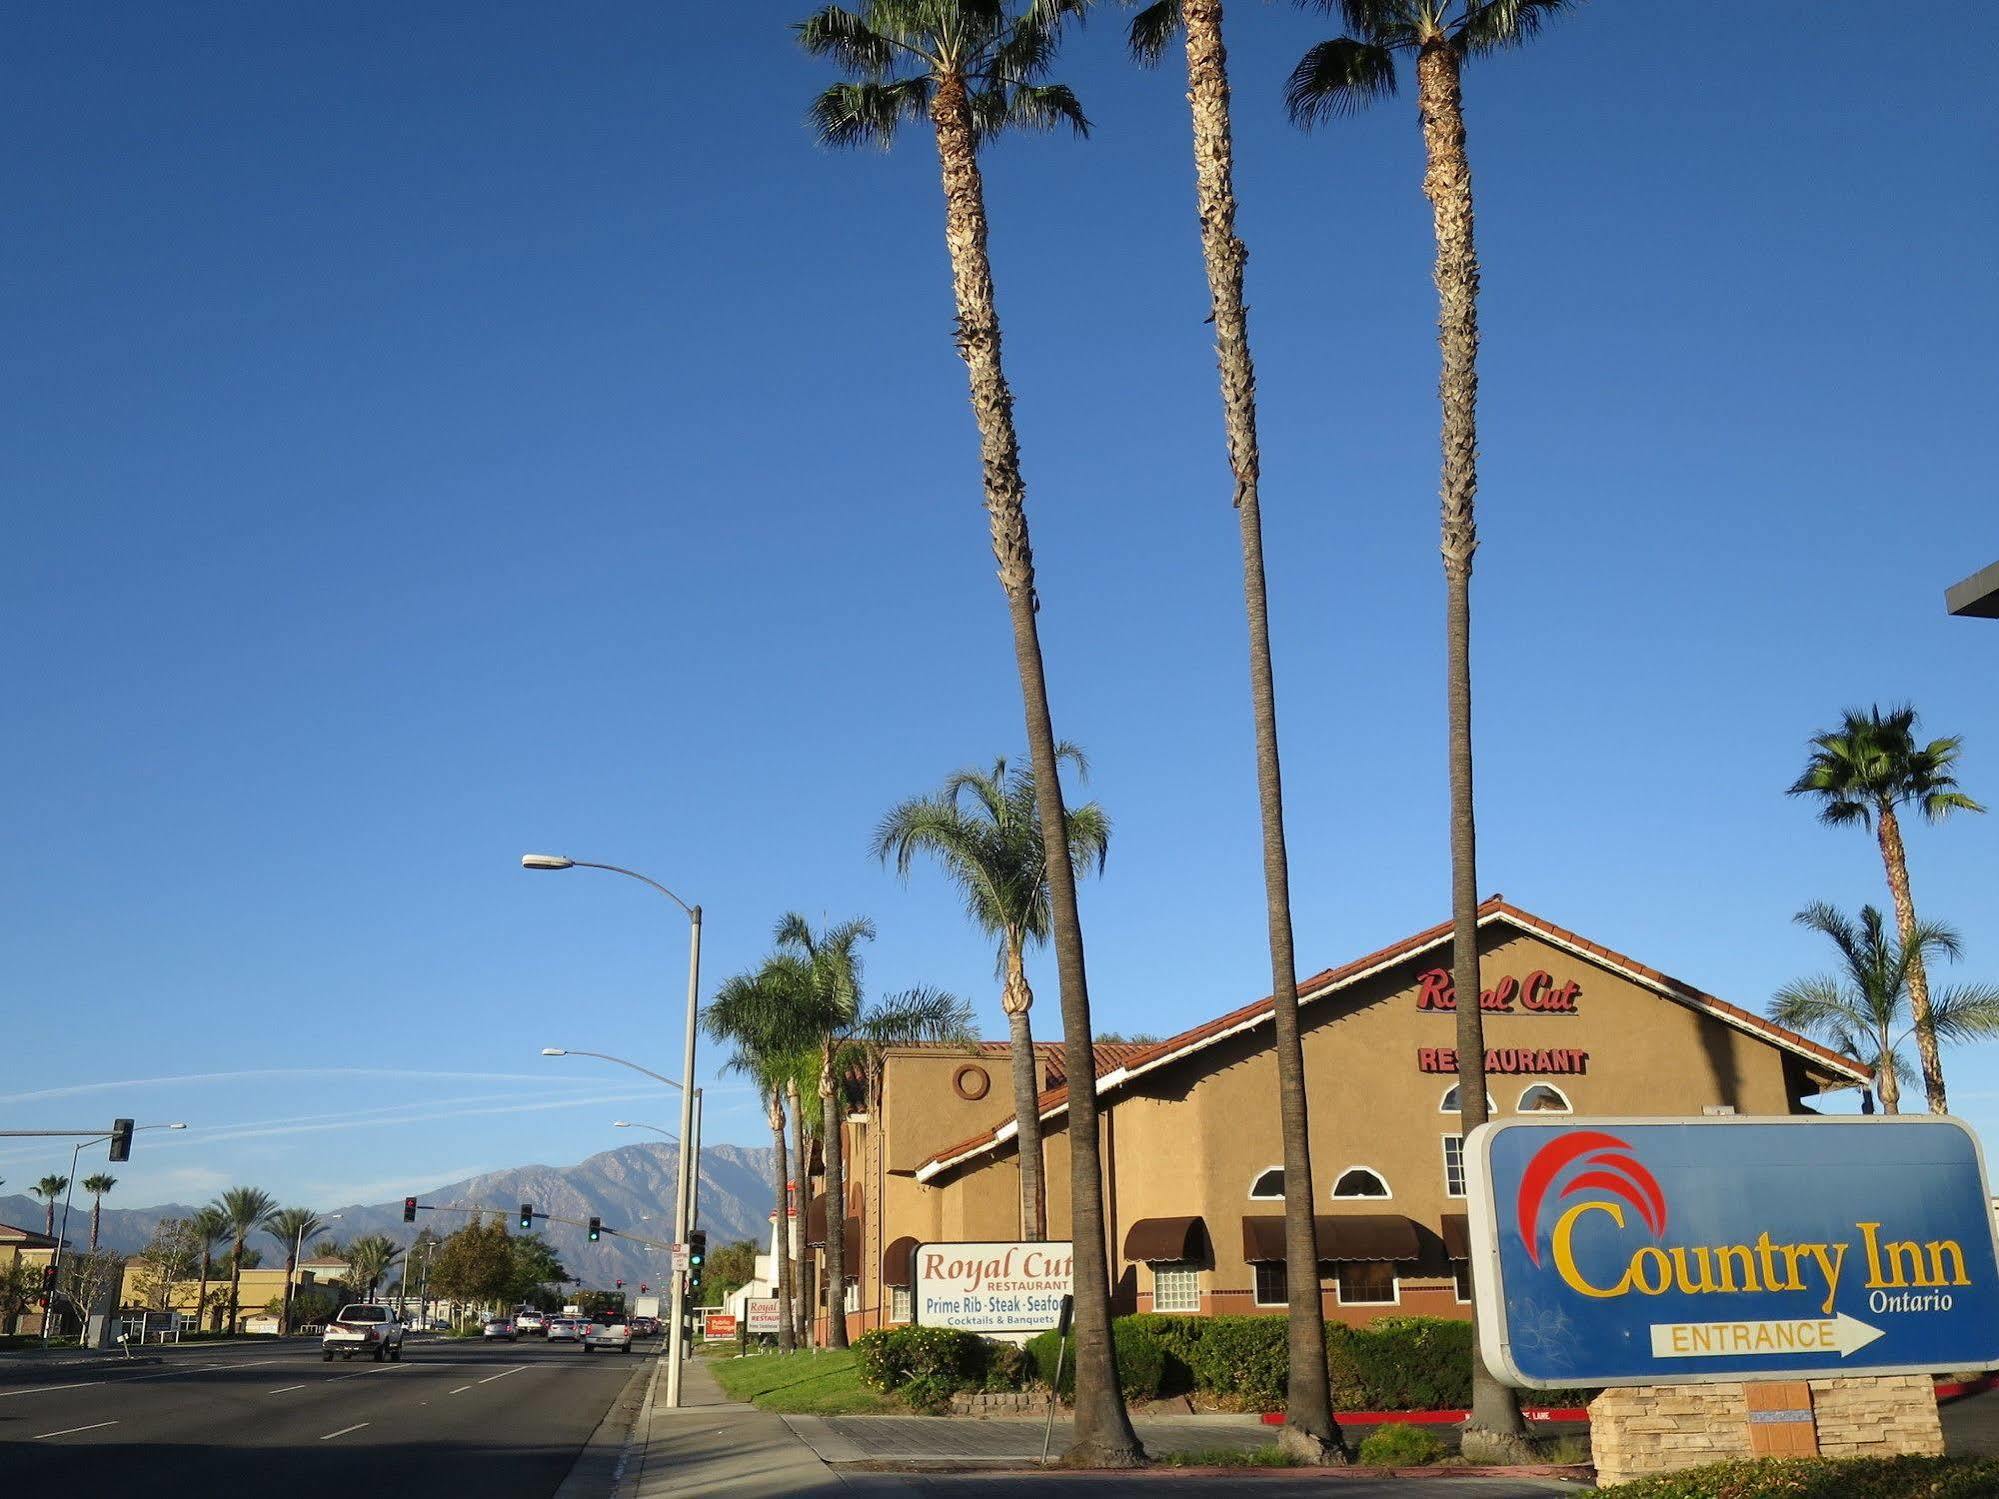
[(916, 1441), (714, 1445)]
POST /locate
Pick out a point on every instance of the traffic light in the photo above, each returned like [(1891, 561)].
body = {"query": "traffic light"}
[(527, 1216), (121, 1139), (643, 1288), (697, 1249), (48, 1282), (409, 1210), (596, 1228), (619, 1284)]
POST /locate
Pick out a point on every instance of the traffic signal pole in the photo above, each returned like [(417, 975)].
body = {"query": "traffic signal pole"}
[(684, 1198)]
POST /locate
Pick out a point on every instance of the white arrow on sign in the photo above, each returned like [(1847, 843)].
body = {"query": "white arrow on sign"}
[(1840, 1334)]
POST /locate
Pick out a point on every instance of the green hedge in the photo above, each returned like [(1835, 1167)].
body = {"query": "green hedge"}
[(1825, 1478), (1141, 1360)]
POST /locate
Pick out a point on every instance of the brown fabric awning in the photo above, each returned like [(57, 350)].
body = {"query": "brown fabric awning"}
[(850, 1249), (1153, 1239), (1347, 1236), (815, 1221), (898, 1262), (1457, 1236)]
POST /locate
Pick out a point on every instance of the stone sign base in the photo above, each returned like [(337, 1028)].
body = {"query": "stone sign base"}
[(1645, 1429)]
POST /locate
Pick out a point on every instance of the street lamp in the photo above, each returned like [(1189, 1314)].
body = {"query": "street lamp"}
[(62, 1234), (683, 1207)]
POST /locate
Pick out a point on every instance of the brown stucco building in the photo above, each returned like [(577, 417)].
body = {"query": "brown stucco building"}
[(1193, 1179)]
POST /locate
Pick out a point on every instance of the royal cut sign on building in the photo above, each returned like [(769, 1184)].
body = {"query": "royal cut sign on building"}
[(998, 1287), (1628, 1251)]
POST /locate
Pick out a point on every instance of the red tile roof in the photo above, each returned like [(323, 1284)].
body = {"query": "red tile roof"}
[(1144, 1058)]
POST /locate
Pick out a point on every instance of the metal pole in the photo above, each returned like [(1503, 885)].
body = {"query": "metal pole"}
[(684, 1199), (694, 1177), (62, 1235)]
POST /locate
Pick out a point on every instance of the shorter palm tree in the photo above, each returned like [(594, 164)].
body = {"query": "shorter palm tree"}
[(291, 1227), (209, 1228), (244, 1209), (97, 1186), (368, 1261), (1864, 1010), (49, 1188)]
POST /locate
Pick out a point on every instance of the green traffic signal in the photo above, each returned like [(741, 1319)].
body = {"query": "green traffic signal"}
[(596, 1227)]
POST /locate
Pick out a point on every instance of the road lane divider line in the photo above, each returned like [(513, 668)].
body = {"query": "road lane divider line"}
[(68, 1431), (460, 1390), (344, 1430), (503, 1374), (284, 1389), (50, 1389), (255, 1363)]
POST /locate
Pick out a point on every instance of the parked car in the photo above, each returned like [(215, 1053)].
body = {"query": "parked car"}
[(497, 1328), (616, 1335), (530, 1324), (564, 1330), (362, 1328)]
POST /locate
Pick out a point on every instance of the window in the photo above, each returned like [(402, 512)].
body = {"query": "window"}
[(1461, 1272), (853, 1297), (1449, 1103), (1365, 1282), (898, 1303), (1543, 1098), (1454, 1165), (1271, 1287), (1176, 1287), (1358, 1181), (1268, 1185)]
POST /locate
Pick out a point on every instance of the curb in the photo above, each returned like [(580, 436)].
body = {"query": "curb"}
[(1440, 1418), (600, 1468)]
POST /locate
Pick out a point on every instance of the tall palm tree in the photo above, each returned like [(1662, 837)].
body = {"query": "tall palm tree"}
[(982, 827), (805, 1131), (244, 1209), (1861, 1010), (97, 1186), (1310, 1430), (209, 1228), (290, 1227), (973, 68), (1335, 78), (1861, 772), (49, 1188), (765, 1015)]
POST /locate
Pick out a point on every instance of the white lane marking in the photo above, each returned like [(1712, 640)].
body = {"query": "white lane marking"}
[(255, 1363), (46, 1389), (459, 1391), (71, 1430), (502, 1374), (343, 1431), (283, 1389)]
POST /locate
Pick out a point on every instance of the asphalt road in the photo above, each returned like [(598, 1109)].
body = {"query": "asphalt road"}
[(453, 1418)]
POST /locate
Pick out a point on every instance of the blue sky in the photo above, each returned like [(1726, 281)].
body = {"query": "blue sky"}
[(432, 434)]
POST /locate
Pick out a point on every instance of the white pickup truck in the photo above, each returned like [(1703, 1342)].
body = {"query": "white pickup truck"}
[(361, 1328)]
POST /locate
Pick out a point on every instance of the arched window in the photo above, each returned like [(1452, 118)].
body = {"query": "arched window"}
[(1544, 1098), (1449, 1104), (1358, 1181), (1268, 1186)]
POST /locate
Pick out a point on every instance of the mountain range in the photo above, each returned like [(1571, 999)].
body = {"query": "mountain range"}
[(630, 1188)]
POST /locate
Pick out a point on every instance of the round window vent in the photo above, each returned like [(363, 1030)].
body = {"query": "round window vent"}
[(971, 1082)]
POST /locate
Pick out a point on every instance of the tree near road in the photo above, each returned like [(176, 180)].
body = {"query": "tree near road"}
[(1310, 1431), (1860, 773), (983, 828), (290, 1226), (1335, 78), (49, 1189), (209, 1228), (369, 1259), (974, 69), (244, 1209), (169, 1256), (97, 1186), (476, 1264), (1861, 1010)]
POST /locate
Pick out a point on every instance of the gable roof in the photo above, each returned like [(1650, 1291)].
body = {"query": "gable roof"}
[(1494, 911), (25, 1238)]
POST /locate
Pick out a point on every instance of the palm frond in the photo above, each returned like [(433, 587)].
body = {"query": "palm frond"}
[(867, 114), (915, 1015), (1820, 1006), (848, 40), (1965, 1012), (1152, 31), (1029, 107), (1338, 78), (1494, 24), (1024, 54)]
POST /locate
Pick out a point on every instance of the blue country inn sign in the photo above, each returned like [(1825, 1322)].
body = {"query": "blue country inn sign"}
[(1631, 1251)]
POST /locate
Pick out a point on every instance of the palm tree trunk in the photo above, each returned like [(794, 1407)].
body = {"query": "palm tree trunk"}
[(1017, 999), (794, 1226), (96, 1216), (836, 1205), (1495, 1431), (787, 1338), (49, 1231), (201, 1292), (1890, 1086), (1888, 830), (236, 1281), (1103, 1436), (1310, 1432)]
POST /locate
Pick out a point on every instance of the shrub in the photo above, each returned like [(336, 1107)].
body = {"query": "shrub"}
[(1824, 1478), (1246, 1358), (1141, 1360), (1400, 1364), (942, 1357), (1400, 1445), (1007, 1367)]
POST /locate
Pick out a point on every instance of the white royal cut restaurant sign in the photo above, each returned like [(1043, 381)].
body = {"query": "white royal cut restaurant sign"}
[(1000, 1287)]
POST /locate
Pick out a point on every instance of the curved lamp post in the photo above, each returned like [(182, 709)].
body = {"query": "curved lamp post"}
[(683, 1207), (62, 1234)]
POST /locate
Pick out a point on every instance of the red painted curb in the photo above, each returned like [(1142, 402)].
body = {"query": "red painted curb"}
[(1436, 1418), (1949, 1390)]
